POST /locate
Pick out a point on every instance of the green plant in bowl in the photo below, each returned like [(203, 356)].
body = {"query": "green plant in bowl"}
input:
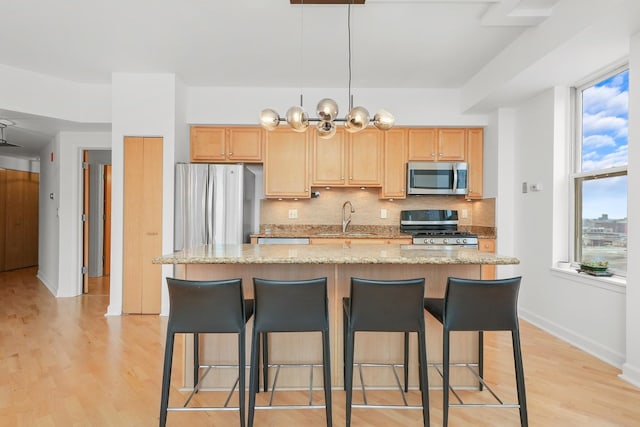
[(594, 265)]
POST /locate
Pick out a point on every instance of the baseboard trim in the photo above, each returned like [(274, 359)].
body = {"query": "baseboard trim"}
[(595, 349)]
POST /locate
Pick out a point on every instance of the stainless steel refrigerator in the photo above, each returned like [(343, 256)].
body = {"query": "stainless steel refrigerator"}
[(214, 204)]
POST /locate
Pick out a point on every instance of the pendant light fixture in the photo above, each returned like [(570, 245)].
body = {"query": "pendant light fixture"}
[(327, 109)]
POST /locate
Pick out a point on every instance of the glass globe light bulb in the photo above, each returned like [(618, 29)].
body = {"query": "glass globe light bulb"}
[(298, 119), (384, 120), (357, 119), (327, 109), (269, 119), (326, 129)]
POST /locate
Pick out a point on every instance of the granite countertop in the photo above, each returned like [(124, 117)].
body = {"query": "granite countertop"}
[(330, 254), (354, 231)]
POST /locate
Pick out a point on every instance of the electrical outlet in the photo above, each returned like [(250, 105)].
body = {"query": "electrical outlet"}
[(293, 213), (383, 213), (464, 214)]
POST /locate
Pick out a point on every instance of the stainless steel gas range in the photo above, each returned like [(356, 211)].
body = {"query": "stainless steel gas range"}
[(436, 228)]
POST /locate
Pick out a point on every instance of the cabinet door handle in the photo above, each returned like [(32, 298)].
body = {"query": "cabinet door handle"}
[(152, 233)]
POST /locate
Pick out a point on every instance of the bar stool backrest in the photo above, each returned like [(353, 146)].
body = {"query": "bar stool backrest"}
[(206, 306), (291, 305), (481, 305), (387, 305)]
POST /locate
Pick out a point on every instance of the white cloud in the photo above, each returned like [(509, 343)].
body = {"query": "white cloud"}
[(605, 99), (600, 122), (593, 142), (593, 161)]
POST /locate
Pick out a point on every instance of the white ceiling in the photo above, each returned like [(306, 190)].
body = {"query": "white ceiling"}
[(257, 43)]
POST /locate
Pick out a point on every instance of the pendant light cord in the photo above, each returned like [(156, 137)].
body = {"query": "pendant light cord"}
[(301, 48), (349, 44)]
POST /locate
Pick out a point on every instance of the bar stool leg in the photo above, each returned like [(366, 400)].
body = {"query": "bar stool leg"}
[(406, 362), (253, 377), (424, 379), (265, 361), (326, 369), (196, 361), (481, 358), (519, 368), (348, 365), (166, 378), (241, 375), (445, 378)]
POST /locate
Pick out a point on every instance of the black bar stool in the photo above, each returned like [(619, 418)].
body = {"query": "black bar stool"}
[(205, 307), (290, 306), (479, 305), (385, 306)]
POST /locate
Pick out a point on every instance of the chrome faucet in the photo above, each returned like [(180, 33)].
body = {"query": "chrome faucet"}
[(345, 220)]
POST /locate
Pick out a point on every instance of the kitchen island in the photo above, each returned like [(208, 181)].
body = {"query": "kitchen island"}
[(338, 263)]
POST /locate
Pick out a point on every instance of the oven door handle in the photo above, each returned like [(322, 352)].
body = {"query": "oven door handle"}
[(454, 166)]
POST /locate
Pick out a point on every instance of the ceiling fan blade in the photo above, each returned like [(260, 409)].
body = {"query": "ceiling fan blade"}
[(4, 143)]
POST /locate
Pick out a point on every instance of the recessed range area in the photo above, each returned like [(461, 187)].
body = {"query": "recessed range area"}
[(437, 228)]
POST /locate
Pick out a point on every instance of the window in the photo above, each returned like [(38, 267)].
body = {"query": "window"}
[(600, 171)]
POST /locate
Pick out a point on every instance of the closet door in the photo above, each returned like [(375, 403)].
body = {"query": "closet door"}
[(20, 219), (142, 280)]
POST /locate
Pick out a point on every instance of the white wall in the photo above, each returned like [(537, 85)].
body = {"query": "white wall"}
[(48, 220), (144, 105), (582, 311), (631, 369), (411, 107), (20, 164)]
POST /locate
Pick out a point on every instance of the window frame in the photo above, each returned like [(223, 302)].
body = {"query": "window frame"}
[(576, 172)]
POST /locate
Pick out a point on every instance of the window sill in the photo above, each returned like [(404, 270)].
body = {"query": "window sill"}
[(614, 283)]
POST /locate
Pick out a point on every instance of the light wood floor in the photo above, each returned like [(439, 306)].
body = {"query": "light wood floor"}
[(63, 363)]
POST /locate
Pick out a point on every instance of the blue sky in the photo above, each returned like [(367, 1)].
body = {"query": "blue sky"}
[(605, 119)]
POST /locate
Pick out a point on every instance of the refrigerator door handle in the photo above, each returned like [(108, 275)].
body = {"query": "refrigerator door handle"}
[(209, 206)]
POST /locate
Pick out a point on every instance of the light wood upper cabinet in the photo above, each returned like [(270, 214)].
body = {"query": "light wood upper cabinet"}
[(475, 147), (365, 158), (329, 159), (286, 166), (434, 145), (348, 159), (226, 144), (394, 181)]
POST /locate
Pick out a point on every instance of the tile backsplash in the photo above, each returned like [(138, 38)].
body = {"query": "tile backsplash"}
[(327, 208)]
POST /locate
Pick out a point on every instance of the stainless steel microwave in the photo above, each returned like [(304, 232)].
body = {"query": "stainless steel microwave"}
[(444, 178)]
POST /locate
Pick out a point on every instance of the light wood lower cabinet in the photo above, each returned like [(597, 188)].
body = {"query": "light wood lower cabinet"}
[(487, 272), (367, 241), (142, 280)]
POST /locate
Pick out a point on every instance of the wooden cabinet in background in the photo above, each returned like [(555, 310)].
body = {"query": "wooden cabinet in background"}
[(437, 144), (329, 159), (347, 159), (142, 223), (226, 144), (286, 164), (475, 158), (367, 241), (394, 181), (18, 219), (487, 272)]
